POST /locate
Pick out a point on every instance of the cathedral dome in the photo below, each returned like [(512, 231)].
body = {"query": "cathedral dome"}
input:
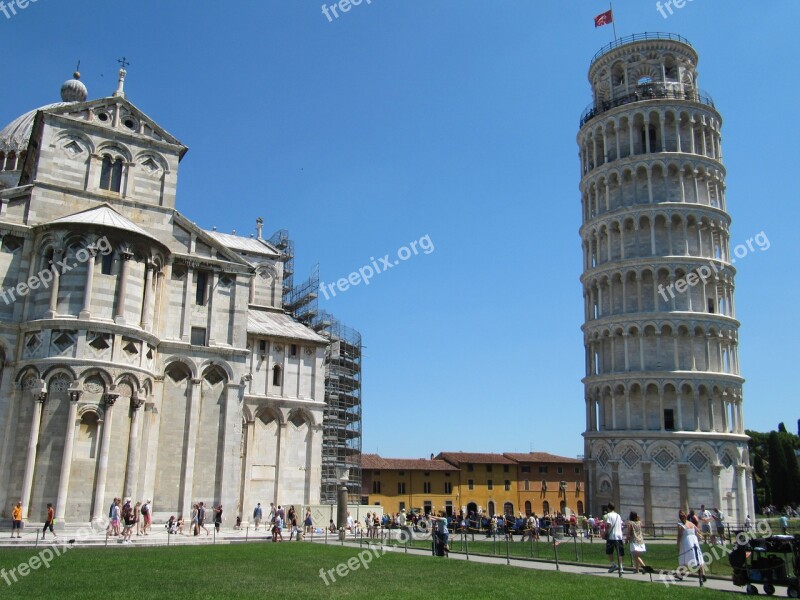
[(14, 137), (73, 89)]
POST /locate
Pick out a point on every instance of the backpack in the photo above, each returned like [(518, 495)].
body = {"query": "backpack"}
[(145, 509)]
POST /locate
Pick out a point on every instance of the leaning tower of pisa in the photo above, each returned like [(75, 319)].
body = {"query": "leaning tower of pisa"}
[(664, 421)]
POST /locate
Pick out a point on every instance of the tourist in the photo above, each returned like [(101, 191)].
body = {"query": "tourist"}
[(172, 525), (719, 525), (293, 525), (116, 516), (613, 525), (137, 517), (49, 519), (180, 525), (784, 524), (277, 536), (16, 520), (705, 524), (257, 515), (309, 522), (147, 516), (128, 521), (332, 526), (291, 517), (218, 518), (272, 512), (442, 534), (195, 529), (748, 523), (636, 540), (690, 555), (201, 517)]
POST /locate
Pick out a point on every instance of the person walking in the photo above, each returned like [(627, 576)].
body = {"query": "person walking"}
[(257, 515), (137, 517), (636, 540), (49, 519), (201, 517), (218, 518), (16, 520), (690, 555), (309, 522), (614, 544), (147, 516)]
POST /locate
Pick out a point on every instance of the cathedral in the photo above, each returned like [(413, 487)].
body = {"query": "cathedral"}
[(141, 355)]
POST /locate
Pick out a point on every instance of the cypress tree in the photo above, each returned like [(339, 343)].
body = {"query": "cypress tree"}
[(792, 472), (778, 471)]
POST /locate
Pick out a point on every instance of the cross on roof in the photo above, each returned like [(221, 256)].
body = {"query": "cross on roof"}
[(123, 61)]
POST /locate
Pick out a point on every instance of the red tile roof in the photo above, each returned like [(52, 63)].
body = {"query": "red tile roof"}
[(541, 457), (375, 462), (458, 458)]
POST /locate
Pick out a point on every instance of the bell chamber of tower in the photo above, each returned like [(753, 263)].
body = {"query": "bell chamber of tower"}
[(663, 391)]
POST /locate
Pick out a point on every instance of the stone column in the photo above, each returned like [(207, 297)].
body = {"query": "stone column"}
[(53, 309), (147, 309), (86, 312), (250, 429), (99, 511), (741, 493), (683, 486), (119, 317), (648, 491), (39, 396), (191, 437), (231, 467), (615, 492), (132, 465), (716, 492), (280, 459), (66, 461)]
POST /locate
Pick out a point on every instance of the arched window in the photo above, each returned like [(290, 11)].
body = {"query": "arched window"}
[(580, 507), (2, 160), (508, 509), (107, 264), (528, 508), (490, 508), (276, 375), (546, 507), (11, 161), (111, 174)]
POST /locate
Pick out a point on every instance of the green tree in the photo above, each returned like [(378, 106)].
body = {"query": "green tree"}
[(778, 470), (792, 472), (762, 487)]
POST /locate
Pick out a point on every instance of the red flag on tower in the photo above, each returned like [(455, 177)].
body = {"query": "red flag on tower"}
[(604, 19)]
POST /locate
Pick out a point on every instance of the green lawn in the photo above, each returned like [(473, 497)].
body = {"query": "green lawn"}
[(291, 570)]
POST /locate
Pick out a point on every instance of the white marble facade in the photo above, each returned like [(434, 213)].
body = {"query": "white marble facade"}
[(664, 420), (158, 362)]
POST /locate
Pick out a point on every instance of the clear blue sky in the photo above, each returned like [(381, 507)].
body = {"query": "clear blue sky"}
[(454, 119)]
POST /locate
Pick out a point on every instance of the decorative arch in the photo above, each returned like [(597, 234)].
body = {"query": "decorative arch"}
[(187, 362)]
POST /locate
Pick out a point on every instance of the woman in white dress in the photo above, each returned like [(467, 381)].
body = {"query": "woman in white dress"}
[(690, 555), (635, 538)]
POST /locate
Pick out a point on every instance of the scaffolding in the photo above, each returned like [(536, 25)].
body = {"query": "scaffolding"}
[(341, 436)]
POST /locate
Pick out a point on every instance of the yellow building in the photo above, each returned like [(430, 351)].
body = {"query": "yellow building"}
[(509, 483), (549, 483), (488, 482), (398, 484)]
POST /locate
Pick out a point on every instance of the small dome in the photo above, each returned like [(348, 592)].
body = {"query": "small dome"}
[(15, 135), (73, 90)]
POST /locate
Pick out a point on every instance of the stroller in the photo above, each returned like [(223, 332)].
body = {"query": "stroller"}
[(770, 561)]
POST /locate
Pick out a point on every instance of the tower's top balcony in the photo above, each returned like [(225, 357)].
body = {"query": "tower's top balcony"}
[(643, 92), (638, 37)]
